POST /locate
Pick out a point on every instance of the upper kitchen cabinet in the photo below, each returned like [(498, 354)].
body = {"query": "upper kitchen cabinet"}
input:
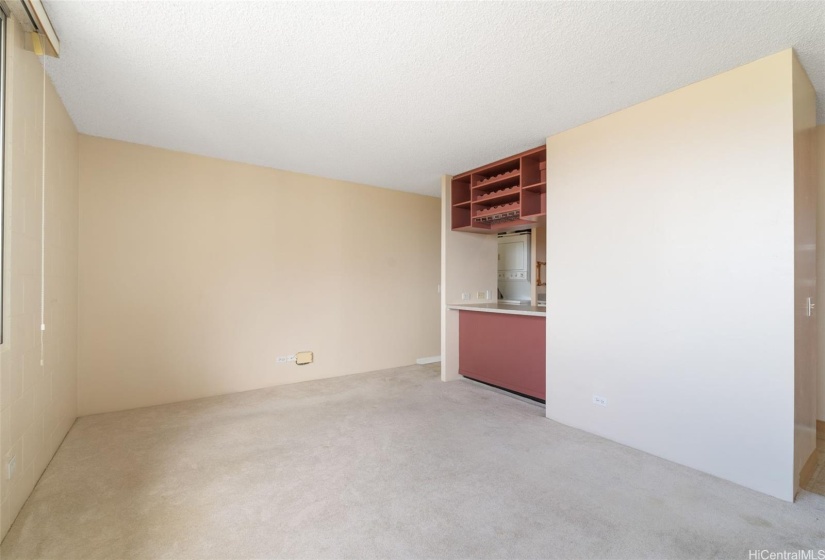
[(502, 196)]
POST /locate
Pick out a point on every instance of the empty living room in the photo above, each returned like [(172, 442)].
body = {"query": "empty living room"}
[(428, 280)]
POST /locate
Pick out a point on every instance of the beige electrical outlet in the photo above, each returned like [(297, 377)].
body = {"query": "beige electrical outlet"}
[(303, 358)]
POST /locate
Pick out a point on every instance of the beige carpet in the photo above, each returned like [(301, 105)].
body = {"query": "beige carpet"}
[(392, 464)]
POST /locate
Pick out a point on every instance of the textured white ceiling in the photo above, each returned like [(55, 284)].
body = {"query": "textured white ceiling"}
[(394, 94)]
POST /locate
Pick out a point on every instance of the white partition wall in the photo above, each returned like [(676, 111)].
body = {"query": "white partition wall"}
[(670, 248), (468, 265)]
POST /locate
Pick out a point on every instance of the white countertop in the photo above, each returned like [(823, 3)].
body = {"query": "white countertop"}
[(507, 308)]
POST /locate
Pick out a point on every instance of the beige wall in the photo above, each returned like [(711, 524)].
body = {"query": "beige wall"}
[(197, 273), (805, 199), (37, 403), (820, 264), (670, 246)]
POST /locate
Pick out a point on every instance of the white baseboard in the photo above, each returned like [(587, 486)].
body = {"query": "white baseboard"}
[(430, 360)]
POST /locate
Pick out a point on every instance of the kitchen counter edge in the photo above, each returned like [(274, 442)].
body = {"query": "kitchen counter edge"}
[(506, 308)]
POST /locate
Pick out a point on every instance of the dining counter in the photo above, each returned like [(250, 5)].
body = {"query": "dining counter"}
[(503, 344)]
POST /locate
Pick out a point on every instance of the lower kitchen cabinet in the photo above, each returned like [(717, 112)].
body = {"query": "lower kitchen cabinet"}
[(503, 350)]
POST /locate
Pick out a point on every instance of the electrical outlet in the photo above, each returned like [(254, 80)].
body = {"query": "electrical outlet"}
[(601, 401), (11, 467), (282, 359), (481, 295), (465, 295)]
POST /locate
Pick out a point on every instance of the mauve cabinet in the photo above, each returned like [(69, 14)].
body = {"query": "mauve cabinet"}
[(503, 350), (505, 195)]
